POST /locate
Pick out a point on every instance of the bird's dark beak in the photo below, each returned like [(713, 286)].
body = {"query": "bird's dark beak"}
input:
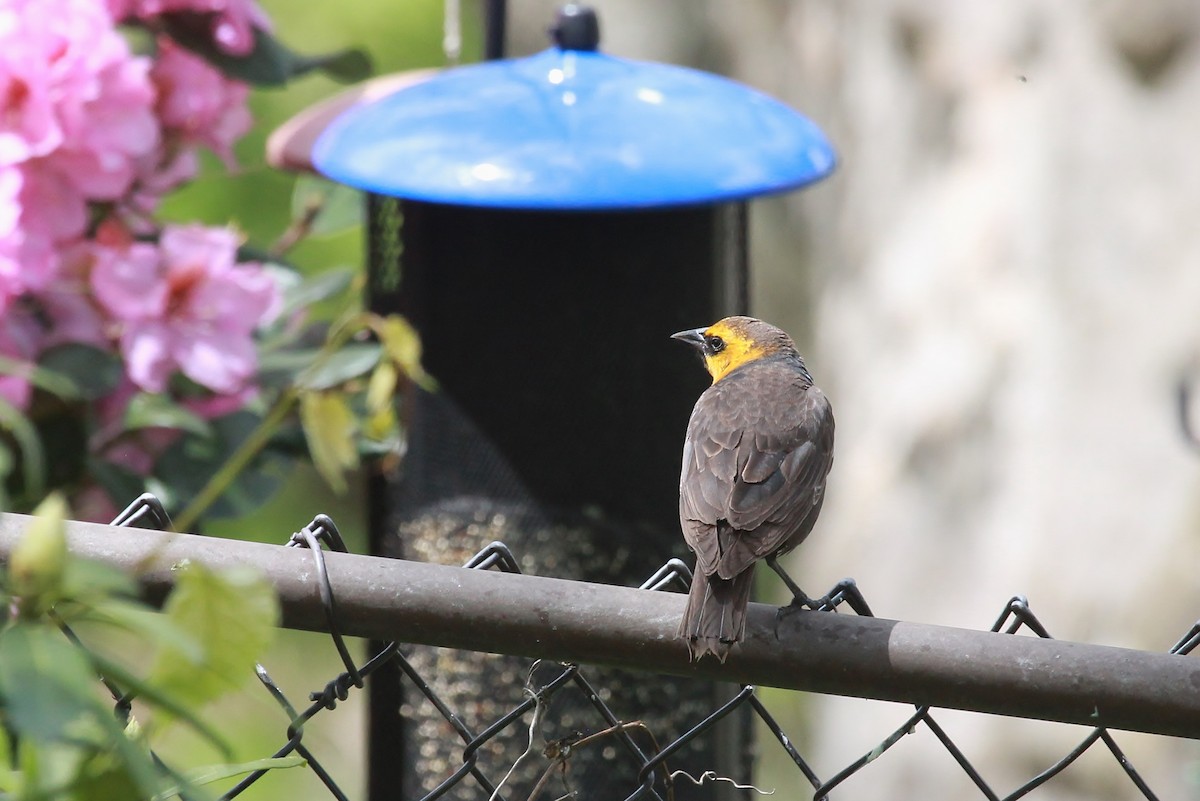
[(693, 336)]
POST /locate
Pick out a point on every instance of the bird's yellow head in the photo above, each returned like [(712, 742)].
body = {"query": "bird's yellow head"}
[(728, 344)]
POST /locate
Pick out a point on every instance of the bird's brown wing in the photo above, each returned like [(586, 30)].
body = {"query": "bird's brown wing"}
[(759, 446)]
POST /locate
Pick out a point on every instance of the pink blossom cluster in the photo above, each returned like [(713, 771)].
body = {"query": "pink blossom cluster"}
[(76, 126), (231, 23), (185, 305), (91, 137)]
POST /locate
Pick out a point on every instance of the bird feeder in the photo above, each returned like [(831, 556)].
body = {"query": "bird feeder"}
[(546, 223), (561, 212)]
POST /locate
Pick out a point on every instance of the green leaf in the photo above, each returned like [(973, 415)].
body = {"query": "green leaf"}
[(314, 289), (144, 623), (269, 63), (46, 380), (403, 346), (105, 774), (33, 462), (381, 437), (88, 581), (331, 370), (330, 428), (119, 483), (48, 684), (215, 773), (152, 410), (382, 387), (344, 66), (7, 463), (402, 343), (92, 372), (340, 207), (232, 615), (183, 470), (282, 366), (165, 701), (9, 777)]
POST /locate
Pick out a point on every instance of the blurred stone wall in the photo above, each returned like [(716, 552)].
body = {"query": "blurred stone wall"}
[(999, 290)]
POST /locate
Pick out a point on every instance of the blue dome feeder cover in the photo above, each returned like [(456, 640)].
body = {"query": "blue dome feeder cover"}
[(571, 128)]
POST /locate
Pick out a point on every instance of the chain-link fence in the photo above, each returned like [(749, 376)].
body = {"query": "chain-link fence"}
[(543, 767)]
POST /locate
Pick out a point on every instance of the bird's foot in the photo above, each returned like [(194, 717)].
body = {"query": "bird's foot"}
[(800, 598), (801, 603)]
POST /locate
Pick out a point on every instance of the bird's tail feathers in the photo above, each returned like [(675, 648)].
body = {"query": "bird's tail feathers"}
[(715, 617)]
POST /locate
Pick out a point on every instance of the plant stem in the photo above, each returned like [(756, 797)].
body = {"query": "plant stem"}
[(237, 461), (338, 335)]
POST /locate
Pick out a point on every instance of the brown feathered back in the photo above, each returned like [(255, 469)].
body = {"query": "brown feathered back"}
[(758, 448)]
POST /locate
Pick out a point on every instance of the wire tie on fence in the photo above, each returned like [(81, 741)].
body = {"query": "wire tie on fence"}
[(336, 690), (327, 532), (308, 538)]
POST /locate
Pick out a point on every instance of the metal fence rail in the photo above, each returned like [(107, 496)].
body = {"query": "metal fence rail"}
[(564, 624)]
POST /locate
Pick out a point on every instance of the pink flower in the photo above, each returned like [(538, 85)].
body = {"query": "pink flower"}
[(11, 236), (76, 121), (19, 343), (108, 133), (66, 305), (52, 209), (214, 406), (159, 175), (233, 28), (231, 23), (28, 125), (196, 103), (186, 305), (73, 94), (32, 217), (91, 504)]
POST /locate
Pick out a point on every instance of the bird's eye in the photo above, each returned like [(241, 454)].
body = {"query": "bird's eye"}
[(715, 344)]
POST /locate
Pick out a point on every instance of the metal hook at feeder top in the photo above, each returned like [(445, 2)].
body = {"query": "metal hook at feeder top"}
[(572, 128)]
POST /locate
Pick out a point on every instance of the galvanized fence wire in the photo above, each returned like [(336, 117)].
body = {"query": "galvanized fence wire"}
[(639, 744)]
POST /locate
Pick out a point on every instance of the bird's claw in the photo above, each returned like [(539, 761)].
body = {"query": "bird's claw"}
[(797, 605)]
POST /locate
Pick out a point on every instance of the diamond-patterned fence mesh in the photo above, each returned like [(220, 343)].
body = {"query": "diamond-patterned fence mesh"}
[(543, 769)]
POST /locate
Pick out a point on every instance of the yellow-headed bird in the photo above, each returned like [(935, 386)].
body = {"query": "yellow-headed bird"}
[(759, 446)]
